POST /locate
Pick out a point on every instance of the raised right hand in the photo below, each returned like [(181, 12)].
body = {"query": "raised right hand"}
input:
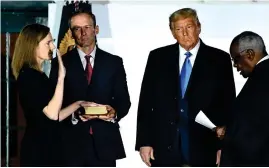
[(146, 153), (61, 71), (218, 158)]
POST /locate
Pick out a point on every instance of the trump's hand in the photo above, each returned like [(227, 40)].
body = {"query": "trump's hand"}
[(218, 158), (220, 131), (146, 153)]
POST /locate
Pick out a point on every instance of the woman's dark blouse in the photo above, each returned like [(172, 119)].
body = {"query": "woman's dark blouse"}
[(41, 141)]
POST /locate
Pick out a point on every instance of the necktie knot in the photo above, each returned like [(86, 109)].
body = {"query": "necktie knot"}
[(185, 73), (88, 58), (88, 68), (188, 54)]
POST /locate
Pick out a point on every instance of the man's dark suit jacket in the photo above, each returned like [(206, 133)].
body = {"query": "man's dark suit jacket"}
[(108, 86), (210, 89), (246, 139)]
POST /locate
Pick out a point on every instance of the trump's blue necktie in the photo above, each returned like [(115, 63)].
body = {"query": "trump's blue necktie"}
[(185, 73), (184, 133)]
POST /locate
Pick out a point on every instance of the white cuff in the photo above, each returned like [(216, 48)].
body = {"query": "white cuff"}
[(73, 119)]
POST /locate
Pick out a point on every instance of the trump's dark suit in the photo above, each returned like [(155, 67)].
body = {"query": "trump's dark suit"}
[(108, 86), (210, 89), (246, 139)]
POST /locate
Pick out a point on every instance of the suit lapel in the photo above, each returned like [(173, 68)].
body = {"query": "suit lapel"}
[(77, 61), (198, 70), (175, 62), (77, 69), (99, 68)]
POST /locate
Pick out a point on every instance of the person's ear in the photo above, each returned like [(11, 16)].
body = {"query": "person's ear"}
[(251, 54), (96, 29), (199, 28), (171, 26)]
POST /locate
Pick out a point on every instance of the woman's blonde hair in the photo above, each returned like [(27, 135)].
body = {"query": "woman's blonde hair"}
[(26, 45)]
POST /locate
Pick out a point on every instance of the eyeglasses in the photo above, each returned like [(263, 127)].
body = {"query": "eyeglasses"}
[(239, 56)]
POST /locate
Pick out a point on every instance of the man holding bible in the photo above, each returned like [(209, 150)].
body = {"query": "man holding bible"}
[(92, 139), (180, 80)]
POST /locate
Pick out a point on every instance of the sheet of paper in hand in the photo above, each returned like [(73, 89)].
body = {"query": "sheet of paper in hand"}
[(202, 119), (96, 110)]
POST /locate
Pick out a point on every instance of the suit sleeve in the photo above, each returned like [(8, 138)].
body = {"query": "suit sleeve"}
[(121, 98), (145, 105), (226, 94), (250, 141)]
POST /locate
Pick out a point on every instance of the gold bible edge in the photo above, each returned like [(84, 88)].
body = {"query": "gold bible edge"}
[(98, 110)]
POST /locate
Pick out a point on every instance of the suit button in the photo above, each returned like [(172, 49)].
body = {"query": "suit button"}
[(181, 110), (175, 98), (152, 109), (172, 123), (169, 147), (112, 98)]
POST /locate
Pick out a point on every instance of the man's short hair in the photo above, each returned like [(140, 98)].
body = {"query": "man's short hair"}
[(79, 12), (249, 40), (183, 14)]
